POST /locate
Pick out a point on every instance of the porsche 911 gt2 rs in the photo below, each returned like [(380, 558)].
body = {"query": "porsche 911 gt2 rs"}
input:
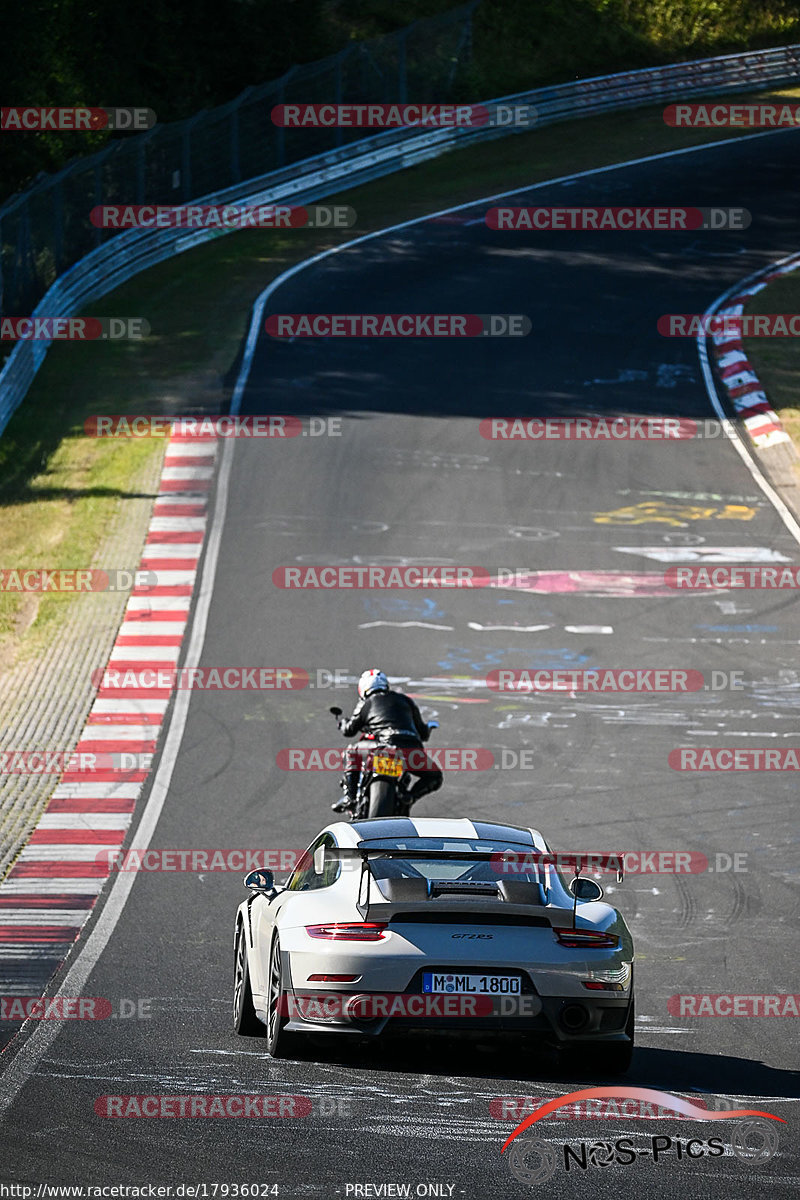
[(392, 925)]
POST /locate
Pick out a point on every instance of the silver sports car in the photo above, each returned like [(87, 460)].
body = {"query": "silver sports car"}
[(394, 924)]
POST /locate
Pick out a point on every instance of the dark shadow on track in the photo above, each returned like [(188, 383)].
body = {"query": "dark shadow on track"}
[(669, 1070)]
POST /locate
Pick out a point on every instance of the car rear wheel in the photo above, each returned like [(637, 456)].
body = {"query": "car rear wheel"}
[(381, 798), (278, 1040), (245, 1020)]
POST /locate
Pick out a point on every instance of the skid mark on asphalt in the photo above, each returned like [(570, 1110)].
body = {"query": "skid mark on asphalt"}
[(404, 625), (511, 628), (687, 912)]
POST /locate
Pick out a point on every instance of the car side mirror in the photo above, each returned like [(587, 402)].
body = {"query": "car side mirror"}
[(585, 889), (260, 881)]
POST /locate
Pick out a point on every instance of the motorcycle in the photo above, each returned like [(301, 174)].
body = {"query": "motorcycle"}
[(385, 780)]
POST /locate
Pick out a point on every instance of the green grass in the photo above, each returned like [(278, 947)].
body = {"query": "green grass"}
[(61, 492)]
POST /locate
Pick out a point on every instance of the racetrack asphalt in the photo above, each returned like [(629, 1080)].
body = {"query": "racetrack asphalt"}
[(411, 478)]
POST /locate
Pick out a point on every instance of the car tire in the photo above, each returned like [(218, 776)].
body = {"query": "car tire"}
[(278, 1041), (382, 798), (245, 1021)]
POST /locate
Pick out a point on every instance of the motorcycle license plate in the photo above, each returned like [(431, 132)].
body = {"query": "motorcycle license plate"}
[(382, 764)]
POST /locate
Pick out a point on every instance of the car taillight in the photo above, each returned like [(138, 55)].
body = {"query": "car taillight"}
[(578, 938), (333, 978), (349, 931)]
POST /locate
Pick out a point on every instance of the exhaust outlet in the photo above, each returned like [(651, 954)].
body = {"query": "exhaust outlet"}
[(573, 1017)]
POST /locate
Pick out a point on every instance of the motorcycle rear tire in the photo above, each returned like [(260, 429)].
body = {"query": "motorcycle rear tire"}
[(382, 798)]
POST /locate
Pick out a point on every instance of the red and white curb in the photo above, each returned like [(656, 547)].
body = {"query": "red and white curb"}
[(54, 883), (738, 375)]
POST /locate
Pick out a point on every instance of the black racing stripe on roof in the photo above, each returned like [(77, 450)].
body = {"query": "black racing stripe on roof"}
[(489, 832), (385, 827)]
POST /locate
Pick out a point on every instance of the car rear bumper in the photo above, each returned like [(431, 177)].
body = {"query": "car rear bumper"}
[(561, 1019)]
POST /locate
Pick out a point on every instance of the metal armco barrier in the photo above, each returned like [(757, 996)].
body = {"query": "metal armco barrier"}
[(126, 253)]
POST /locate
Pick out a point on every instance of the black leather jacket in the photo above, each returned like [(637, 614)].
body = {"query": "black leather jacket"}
[(388, 717)]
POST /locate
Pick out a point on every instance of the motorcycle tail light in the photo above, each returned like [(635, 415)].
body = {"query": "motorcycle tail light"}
[(350, 931)]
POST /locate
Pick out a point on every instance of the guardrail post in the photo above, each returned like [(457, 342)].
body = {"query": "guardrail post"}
[(22, 255), (236, 167), (402, 68), (236, 153), (280, 140), (98, 200), (338, 89), (100, 163), (186, 155), (142, 147), (58, 227)]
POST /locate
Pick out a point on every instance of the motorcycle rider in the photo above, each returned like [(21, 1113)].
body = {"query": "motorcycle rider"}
[(393, 719)]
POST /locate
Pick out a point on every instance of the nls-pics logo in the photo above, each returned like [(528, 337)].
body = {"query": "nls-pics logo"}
[(534, 1160)]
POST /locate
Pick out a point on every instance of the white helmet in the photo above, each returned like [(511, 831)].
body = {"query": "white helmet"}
[(372, 681)]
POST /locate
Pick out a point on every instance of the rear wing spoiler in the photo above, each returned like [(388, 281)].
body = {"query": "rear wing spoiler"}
[(416, 894)]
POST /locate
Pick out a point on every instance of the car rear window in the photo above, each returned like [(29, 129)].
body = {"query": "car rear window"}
[(452, 869)]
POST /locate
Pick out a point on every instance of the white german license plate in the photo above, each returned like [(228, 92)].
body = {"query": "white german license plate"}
[(472, 985)]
